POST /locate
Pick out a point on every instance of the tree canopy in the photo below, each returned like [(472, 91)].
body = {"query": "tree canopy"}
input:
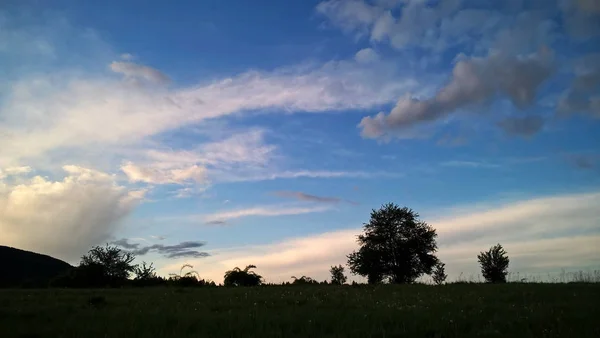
[(396, 246), (494, 264)]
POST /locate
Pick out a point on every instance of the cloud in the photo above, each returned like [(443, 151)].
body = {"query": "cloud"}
[(44, 215), (474, 81), (366, 55), (583, 95), (70, 112), (583, 161), (544, 234), (307, 197), (350, 15), (287, 174), (521, 126), (14, 171), (216, 222), (135, 71), (444, 24), (581, 17), (469, 164), (192, 173), (265, 211), (168, 251), (209, 161)]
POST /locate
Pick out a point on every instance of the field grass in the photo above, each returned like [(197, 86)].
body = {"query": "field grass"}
[(455, 310)]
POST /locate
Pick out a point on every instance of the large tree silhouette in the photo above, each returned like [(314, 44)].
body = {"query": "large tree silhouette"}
[(396, 246)]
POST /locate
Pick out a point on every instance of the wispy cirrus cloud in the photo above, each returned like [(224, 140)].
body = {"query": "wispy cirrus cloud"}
[(302, 196), (261, 211)]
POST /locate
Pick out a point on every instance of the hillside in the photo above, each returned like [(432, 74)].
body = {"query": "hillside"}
[(26, 268)]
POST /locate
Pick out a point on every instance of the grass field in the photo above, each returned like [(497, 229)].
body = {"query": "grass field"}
[(456, 310)]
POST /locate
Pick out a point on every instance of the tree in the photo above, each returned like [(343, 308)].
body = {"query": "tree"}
[(239, 277), (110, 262), (145, 272), (337, 275), (439, 273), (304, 280), (494, 264), (396, 247)]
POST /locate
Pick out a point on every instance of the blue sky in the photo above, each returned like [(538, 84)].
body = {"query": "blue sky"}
[(264, 133)]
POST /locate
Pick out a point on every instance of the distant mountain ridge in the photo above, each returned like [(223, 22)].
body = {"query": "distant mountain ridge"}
[(26, 268)]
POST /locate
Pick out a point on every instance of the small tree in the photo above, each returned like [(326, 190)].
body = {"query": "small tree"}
[(439, 273), (494, 264), (239, 277), (337, 275)]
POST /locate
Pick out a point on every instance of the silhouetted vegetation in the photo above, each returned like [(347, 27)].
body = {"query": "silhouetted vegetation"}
[(337, 275), (188, 279), (239, 277), (304, 280), (395, 247), (20, 268), (439, 273), (494, 264)]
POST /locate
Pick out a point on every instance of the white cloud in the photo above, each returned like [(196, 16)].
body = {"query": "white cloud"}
[(263, 211), (540, 235), (50, 113), (366, 55), (46, 216), (14, 171)]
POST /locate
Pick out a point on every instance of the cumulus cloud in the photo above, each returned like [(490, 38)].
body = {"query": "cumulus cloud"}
[(540, 234), (474, 81), (366, 55), (136, 71), (521, 126), (45, 216), (168, 251)]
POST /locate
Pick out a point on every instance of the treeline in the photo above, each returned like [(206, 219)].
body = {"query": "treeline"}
[(395, 247)]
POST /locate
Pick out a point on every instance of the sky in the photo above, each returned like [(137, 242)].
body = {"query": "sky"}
[(228, 133)]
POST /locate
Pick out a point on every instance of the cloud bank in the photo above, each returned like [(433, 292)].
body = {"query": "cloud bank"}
[(540, 234)]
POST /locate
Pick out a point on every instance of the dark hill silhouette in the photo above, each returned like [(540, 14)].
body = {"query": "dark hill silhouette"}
[(26, 268)]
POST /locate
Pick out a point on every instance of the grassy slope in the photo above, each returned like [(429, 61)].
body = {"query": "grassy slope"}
[(477, 310)]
